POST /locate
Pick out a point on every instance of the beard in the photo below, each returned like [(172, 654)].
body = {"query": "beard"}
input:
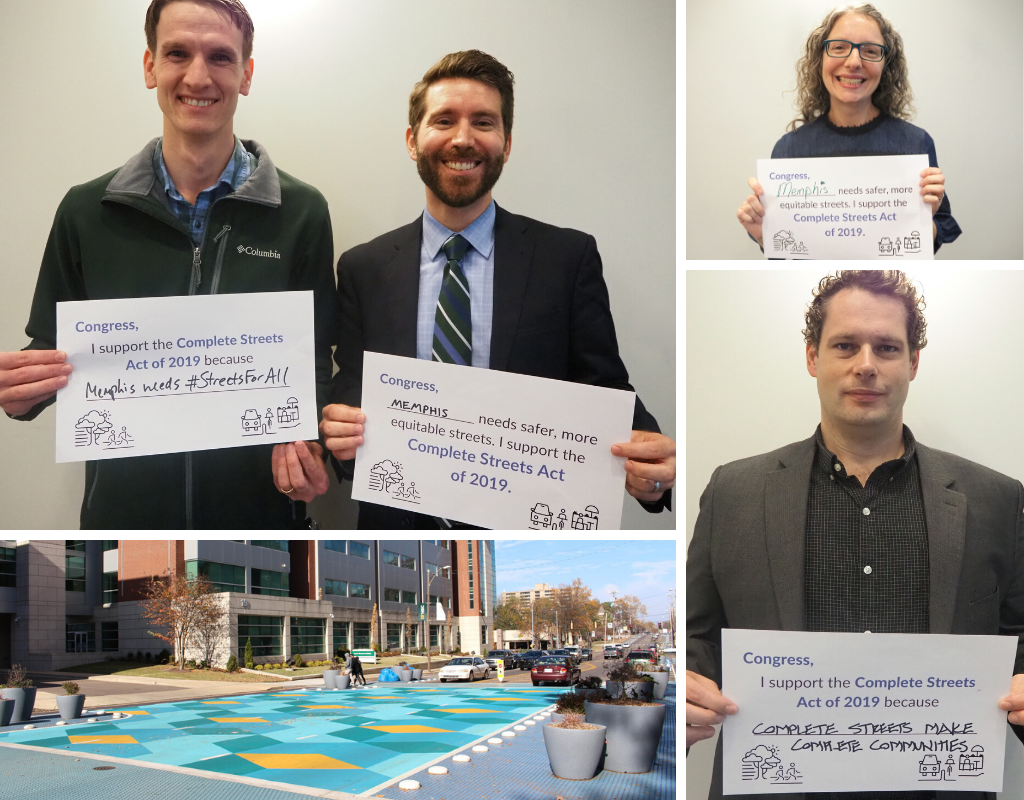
[(455, 190)]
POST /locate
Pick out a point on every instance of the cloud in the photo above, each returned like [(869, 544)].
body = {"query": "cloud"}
[(653, 570)]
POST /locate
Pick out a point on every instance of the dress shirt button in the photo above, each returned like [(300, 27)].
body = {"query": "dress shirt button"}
[(866, 511), (867, 570), (838, 466)]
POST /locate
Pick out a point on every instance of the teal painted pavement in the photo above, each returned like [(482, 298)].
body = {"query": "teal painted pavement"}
[(347, 741)]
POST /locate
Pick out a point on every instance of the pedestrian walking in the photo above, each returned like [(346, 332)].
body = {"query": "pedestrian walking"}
[(357, 670)]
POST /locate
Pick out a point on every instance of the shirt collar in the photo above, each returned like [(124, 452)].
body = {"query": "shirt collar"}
[(479, 233), (234, 175), (828, 460)]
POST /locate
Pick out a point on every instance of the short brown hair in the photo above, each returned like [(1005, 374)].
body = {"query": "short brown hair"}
[(233, 8), (885, 283), (472, 64)]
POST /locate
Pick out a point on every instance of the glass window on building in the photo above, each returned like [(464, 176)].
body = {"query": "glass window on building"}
[(469, 571), (108, 637), (387, 557), (337, 588), (361, 590), (392, 596), (491, 592), (359, 550), (408, 597), (433, 634), (439, 542), (361, 636), (223, 577), (336, 546), (408, 562), (434, 569), (8, 564), (272, 544), (394, 641), (339, 632), (446, 602), (80, 637), (266, 634), (109, 587), (109, 544), (74, 576), (78, 545), (266, 581), (308, 635)]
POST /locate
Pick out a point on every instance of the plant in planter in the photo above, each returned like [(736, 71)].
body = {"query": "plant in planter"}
[(624, 680), (19, 688), (633, 730), (590, 688), (574, 746), (71, 703), (659, 675)]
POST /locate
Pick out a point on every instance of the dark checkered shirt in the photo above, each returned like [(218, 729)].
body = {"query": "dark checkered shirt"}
[(866, 558)]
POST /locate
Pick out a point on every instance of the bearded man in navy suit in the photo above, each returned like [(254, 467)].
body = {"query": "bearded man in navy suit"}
[(539, 304)]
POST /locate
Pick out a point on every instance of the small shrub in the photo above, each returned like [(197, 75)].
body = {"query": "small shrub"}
[(570, 703), (17, 679), (593, 682), (232, 665), (164, 656), (190, 664), (149, 657), (623, 671), (300, 662), (259, 667), (247, 656), (69, 687), (140, 657)]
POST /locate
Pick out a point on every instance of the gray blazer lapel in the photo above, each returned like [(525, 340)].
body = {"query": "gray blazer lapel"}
[(401, 276), (786, 491), (513, 254), (945, 514)]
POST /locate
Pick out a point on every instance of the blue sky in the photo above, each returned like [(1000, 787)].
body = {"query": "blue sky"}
[(644, 568)]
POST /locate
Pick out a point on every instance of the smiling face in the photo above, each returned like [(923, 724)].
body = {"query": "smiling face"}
[(197, 70), (863, 363), (460, 146), (851, 81)]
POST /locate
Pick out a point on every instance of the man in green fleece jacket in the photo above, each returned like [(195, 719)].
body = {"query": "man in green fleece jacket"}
[(195, 212)]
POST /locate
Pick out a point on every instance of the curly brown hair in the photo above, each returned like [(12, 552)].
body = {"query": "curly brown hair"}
[(893, 95), (886, 283)]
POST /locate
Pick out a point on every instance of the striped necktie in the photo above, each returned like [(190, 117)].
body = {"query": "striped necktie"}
[(453, 329)]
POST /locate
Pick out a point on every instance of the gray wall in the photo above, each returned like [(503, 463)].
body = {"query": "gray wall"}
[(593, 149), (741, 56)]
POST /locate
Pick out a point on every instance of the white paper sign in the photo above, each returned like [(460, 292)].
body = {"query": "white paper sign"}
[(491, 448), (843, 208), (850, 712), (172, 374)]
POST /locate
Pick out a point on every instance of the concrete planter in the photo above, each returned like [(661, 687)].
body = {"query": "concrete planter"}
[(417, 674), (632, 690), (70, 705), (660, 683), (342, 681), (6, 710), (589, 694), (405, 675), (574, 754), (330, 676), (23, 699), (633, 734)]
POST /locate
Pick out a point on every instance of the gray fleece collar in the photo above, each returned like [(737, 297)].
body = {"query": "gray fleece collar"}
[(138, 177)]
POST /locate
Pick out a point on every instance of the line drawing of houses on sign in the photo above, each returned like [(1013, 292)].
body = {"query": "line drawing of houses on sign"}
[(288, 414)]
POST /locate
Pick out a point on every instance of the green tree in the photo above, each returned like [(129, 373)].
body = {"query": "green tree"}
[(247, 658)]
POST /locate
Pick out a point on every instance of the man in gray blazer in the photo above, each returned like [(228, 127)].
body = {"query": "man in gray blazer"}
[(860, 527)]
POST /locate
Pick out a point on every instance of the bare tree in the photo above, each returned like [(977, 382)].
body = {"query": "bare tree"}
[(180, 607), (209, 634)]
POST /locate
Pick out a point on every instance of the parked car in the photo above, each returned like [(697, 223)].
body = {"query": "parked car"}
[(587, 654), (507, 657), (464, 668), (527, 659), (555, 669), (611, 651), (642, 658)]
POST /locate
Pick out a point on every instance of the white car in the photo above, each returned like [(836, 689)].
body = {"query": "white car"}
[(464, 668)]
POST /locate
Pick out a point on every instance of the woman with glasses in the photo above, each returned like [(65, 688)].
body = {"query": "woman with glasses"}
[(854, 98)]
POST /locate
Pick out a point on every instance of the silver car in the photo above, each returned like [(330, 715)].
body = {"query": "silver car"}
[(464, 668)]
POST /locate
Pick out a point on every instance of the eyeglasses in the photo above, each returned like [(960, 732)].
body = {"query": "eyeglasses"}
[(840, 48)]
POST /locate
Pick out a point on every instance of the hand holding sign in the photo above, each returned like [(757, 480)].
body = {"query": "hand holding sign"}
[(29, 377)]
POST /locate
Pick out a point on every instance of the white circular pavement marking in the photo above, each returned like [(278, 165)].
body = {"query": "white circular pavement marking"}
[(519, 727), (507, 734), (495, 741), (462, 758), (438, 770), (480, 748), (530, 722), (409, 784)]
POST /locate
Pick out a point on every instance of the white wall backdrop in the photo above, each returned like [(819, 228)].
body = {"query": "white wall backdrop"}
[(967, 72), (748, 391), (593, 149)]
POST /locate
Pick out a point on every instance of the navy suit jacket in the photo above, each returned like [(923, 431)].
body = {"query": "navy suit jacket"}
[(551, 317)]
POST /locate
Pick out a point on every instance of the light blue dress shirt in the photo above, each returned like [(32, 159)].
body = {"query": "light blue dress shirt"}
[(479, 268)]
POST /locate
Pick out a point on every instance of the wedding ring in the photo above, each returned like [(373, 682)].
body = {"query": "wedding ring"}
[(289, 491)]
